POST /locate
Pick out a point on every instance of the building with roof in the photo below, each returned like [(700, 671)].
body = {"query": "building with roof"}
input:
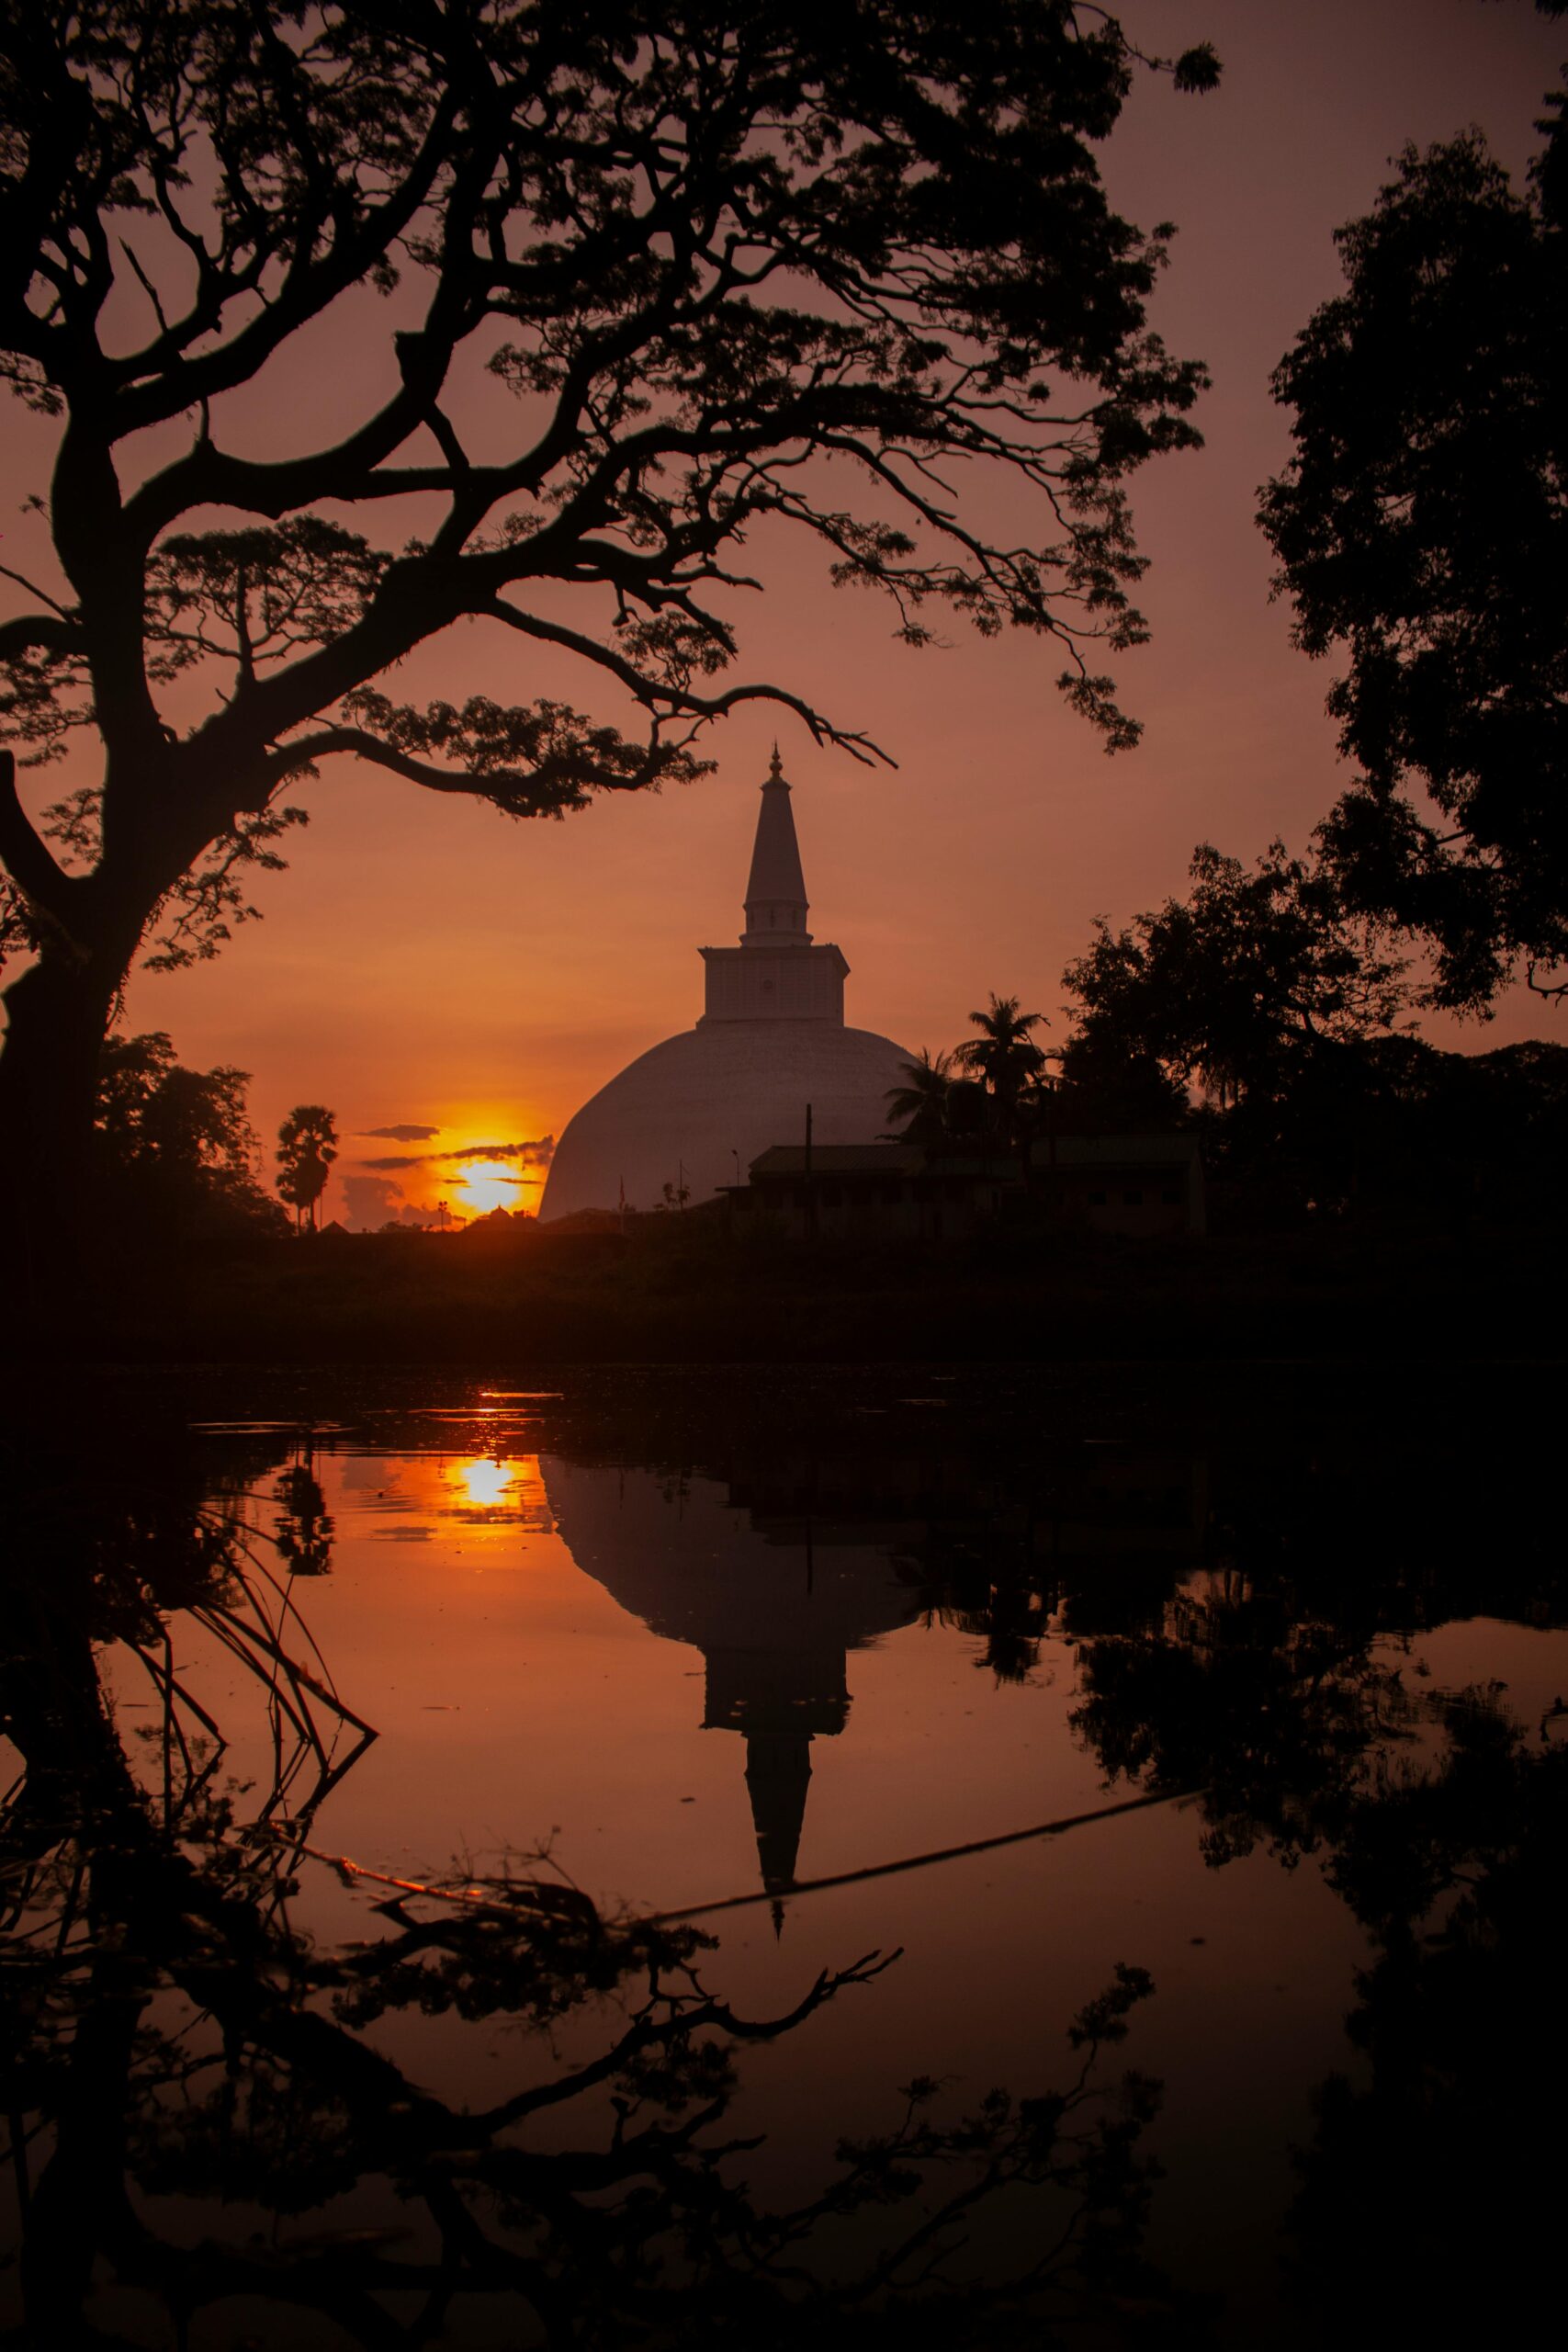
[(1138, 1185), (1144, 1184), (696, 1110)]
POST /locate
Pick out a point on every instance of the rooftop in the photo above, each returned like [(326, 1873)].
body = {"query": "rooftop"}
[(839, 1158), (902, 1159), (1182, 1148)]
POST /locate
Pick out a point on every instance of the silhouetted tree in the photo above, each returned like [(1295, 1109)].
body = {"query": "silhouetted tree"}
[(1234, 984), (1422, 531), (175, 1150), (307, 1145), (1110, 1085), (1004, 1058), (729, 260), (987, 1091), (923, 1105), (1262, 988)]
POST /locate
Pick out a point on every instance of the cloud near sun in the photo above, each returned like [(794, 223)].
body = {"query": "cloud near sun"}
[(534, 1153)]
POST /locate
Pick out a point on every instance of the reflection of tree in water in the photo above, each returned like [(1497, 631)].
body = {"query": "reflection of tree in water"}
[(1430, 2196), (206, 2104), (1279, 1675), (1280, 1722), (1276, 1668), (983, 1581), (1282, 1684), (302, 1530), (1051, 1545)]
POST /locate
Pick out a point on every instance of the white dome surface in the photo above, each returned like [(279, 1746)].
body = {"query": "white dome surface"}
[(722, 1088)]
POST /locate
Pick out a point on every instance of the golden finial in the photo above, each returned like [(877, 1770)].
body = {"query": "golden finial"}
[(775, 766)]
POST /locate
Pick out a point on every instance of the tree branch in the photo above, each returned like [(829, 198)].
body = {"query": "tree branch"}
[(309, 288), (360, 744), (511, 788), (26, 857), (42, 629), (663, 695)]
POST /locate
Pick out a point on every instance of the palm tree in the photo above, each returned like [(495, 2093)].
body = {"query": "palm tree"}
[(307, 1145), (1004, 1055), (922, 1106)]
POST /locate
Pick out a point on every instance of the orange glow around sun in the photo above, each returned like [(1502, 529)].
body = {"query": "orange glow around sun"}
[(486, 1185)]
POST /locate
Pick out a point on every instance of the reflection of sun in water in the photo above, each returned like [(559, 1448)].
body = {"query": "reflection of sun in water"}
[(486, 1185), (486, 1484)]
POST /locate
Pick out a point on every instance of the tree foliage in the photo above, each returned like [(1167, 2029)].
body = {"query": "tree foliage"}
[(987, 1094), (307, 1145), (175, 1151), (1109, 1084), (1004, 1055), (922, 1106), (1422, 532), (1264, 994), (999, 1091), (731, 261), (1233, 986)]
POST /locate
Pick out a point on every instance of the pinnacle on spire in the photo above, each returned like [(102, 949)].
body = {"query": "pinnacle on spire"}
[(776, 904)]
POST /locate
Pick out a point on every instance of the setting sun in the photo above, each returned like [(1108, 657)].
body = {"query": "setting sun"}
[(488, 1185)]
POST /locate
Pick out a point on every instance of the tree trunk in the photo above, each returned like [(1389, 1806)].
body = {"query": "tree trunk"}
[(49, 1079)]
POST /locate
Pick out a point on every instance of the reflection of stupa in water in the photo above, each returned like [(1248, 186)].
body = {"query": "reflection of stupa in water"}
[(775, 1614)]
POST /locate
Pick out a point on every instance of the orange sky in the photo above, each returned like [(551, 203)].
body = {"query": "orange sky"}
[(427, 963)]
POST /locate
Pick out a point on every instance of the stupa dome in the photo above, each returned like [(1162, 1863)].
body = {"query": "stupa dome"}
[(771, 1040)]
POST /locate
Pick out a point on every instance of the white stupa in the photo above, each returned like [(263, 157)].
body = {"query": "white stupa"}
[(771, 1041)]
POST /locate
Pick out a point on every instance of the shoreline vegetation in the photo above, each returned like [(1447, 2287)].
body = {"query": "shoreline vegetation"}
[(686, 1289), (1379, 1199)]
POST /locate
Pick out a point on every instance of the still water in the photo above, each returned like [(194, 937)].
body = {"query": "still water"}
[(620, 1862)]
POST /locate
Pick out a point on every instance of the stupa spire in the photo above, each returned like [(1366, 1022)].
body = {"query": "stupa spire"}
[(776, 904), (775, 974), (778, 1774)]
